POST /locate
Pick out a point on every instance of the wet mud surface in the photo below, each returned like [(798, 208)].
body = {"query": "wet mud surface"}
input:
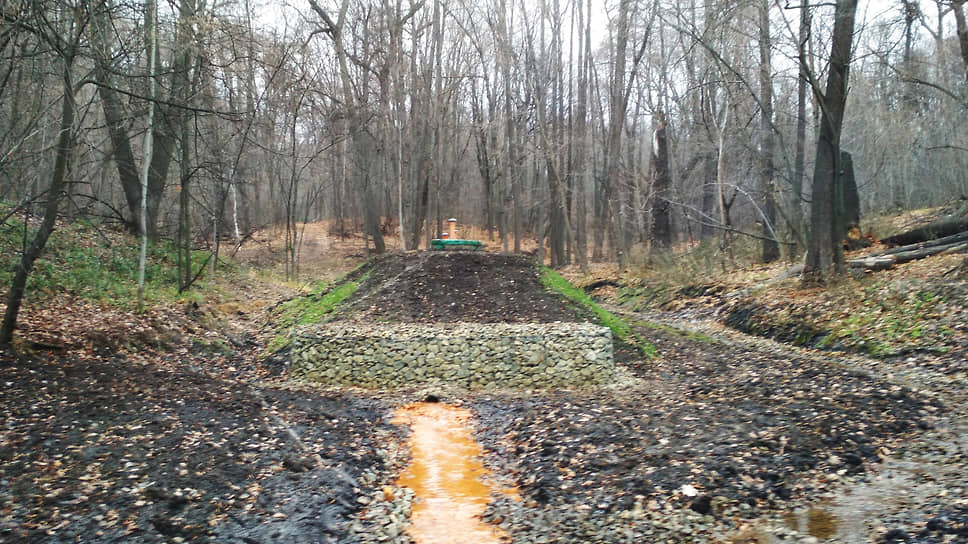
[(695, 446), (112, 451)]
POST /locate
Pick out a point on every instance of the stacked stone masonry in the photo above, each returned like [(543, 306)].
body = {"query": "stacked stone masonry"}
[(473, 355)]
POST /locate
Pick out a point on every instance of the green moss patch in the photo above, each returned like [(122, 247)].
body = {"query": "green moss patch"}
[(310, 309), (553, 281)]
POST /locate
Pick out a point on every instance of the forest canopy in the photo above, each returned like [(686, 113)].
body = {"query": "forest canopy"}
[(602, 130)]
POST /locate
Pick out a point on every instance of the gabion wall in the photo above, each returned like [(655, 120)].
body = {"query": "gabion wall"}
[(473, 355)]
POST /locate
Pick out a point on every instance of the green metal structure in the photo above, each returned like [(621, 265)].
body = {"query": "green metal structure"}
[(455, 245)]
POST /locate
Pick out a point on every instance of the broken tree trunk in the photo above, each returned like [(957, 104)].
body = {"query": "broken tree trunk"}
[(945, 227), (947, 240), (885, 260)]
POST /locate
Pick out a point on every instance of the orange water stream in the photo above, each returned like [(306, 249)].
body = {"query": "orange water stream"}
[(447, 477)]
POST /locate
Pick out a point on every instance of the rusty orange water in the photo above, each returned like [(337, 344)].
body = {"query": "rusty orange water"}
[(446, 474)]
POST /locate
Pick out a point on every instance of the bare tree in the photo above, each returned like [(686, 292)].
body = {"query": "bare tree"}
[(662, 181), (824, 252), (958, 6), (794, 203), (767, 177), (61, 26), (355, 121)]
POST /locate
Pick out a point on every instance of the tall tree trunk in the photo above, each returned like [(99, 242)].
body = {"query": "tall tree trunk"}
[(662, 183), (725, 204), (115, 118), (581, 149), (824, 253), (509, 193), (613, 153), (771, 248), (184, 211), (354, 122), (151, 46), (794, 202), (958, 6)]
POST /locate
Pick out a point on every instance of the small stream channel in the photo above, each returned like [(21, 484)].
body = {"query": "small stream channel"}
[(909, 487), (451, 485)]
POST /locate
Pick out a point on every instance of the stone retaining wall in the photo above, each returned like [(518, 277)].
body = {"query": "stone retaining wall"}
[(473, 355)]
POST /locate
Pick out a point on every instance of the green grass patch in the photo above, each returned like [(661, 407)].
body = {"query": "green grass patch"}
[(101, 266), (310, 309), (622, 330)]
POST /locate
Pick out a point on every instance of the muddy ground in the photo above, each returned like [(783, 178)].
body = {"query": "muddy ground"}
[(112, 451), (707, 442), (447, 286), (700, 444)]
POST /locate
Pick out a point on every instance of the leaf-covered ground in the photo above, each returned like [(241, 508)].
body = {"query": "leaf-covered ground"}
[(167, 427), (160, 427), (106, 449), (916, 308), (695, 445)]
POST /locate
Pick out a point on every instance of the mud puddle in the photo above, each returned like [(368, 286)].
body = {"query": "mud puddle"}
[(901, 499), (451, 485)]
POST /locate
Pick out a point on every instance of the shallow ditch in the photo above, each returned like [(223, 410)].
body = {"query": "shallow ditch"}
[(451, 487)]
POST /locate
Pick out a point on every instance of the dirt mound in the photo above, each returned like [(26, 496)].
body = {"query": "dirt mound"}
[(430, 287)]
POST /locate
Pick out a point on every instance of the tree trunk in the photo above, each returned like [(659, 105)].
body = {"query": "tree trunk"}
[(824, 253), (482, 146), (770, 246), (794, 202), (509, 193), (65, 149), (958, 6), (151, 32), (184, 213), (851, 198), (706, 229), (115, 120), (661, 220), (354, 122), (114, 117), (582, 151), (725, 204), (613, 147)]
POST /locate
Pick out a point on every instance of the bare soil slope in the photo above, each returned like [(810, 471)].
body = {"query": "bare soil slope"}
[(431, 287)]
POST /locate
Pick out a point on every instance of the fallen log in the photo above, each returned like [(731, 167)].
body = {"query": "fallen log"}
[(947, 240), (908, 256), (873, 263), (938, 229), (885, 261)]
